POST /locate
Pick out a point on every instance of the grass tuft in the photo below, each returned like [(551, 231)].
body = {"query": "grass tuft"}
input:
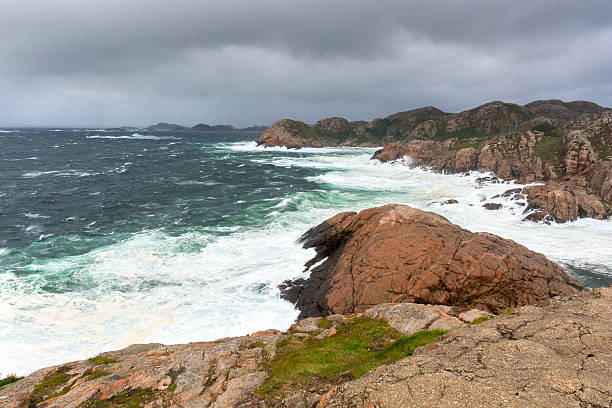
[(358, 346), (9, 380), (132, 398), (42, 391), (92, 376), (324, 324), (479, 320), (172, 387), (100, 360), (508, 311)]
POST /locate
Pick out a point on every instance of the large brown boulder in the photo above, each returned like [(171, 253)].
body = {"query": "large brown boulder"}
[(396, 254)]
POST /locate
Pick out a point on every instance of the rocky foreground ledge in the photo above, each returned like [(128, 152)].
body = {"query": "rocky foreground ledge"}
[(556, 354)]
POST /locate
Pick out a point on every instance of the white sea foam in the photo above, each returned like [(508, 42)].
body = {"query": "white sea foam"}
[(133, 136), (33, 215), (61, 173)]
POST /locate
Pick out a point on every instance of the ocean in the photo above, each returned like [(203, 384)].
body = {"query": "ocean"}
[(110, 238)]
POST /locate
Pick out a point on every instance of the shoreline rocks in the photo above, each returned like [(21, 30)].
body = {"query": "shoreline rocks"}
[(568, 145), (397, 254)]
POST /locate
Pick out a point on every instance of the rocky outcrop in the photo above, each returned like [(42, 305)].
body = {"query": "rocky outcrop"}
[(514, 158), (553, 356), (575, 166), (162, 126), (288, 133), (396, 254), (563, 202)]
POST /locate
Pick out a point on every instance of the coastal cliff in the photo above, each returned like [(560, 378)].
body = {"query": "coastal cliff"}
[(568, 146)]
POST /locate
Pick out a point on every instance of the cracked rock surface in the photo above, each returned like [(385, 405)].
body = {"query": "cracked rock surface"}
[(559, 355), (397, 254)]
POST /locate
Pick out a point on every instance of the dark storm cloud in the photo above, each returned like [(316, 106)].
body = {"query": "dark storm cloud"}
[(139, 61)]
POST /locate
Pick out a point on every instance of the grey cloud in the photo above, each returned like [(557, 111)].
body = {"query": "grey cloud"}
[(111, 62)]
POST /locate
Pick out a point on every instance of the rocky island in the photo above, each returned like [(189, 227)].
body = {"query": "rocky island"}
[(202, 127), (406, 308), (566, 145)]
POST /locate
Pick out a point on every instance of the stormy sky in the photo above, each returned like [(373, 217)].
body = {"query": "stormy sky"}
[(137, 62)]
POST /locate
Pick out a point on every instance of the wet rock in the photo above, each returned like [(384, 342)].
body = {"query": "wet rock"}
[(563, 203), (492, 206)]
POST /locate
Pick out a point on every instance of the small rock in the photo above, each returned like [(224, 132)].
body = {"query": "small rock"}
[(326, 333), (307, 325), (492, 206), (265, 332), (512, 191), (472, 315), (446, 323)]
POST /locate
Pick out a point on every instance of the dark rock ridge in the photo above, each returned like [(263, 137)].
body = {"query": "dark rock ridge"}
[(395, 254), (162, 126), (202, 127), (543, 141)]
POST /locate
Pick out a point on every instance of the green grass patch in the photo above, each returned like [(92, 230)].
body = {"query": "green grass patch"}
[(551, 150), (92, 376), (324, 324), (9, 380), (100, 360), (132, 398), (603, 151), (43, 390), (479, 320), (462, 144), (358, 346), (463, 134), (172, 387), (508, 311)]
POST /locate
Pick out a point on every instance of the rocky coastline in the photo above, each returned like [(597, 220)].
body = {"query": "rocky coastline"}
[(566, 146), (406, 307), (400, 307)]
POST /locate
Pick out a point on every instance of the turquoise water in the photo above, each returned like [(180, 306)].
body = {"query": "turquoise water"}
[(109, 239)]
